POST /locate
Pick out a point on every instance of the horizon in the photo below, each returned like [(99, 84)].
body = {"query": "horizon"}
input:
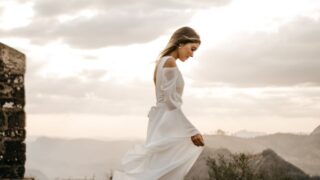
[(34, 138)]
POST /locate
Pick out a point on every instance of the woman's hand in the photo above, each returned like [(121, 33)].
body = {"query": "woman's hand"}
[(197, 140)]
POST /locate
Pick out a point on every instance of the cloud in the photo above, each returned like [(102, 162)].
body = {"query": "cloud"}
[(284, 58), (93, 74), (54, 8), (93, 96), (73, 95), (256, 103), (112, 23)]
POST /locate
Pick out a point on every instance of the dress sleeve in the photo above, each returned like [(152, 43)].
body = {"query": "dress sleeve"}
[(168, 86)]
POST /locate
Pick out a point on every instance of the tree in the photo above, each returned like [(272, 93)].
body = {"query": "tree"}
[(235, 167)]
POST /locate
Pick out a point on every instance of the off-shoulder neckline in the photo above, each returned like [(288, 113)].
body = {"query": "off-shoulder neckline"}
[(170, 67), (168, 56)]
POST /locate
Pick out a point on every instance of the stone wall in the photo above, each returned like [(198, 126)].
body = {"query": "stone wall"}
[(12, 114)]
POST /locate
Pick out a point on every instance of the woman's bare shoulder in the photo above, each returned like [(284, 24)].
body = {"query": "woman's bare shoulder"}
[(170, 62)]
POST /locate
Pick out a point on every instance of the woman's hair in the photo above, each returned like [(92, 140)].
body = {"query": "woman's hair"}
[(182, 35)]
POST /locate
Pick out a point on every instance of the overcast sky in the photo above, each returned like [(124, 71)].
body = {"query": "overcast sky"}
[(90, 64)]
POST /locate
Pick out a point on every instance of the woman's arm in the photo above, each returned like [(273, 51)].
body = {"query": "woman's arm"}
[(168, 86)]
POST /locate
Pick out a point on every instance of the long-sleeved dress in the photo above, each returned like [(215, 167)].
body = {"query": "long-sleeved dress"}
[(168, 152)]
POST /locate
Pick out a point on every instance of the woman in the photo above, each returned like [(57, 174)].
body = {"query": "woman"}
[(173, 144)]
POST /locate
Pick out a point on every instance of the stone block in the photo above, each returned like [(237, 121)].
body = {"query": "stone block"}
[(11, 61), (16, 118), (13, 134), (12, 91), (10, 173), (14, 153), (3, 121)]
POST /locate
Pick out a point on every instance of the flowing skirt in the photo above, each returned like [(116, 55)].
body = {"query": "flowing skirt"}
[(167, 154)]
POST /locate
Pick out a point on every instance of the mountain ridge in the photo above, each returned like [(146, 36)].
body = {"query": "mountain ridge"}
[(87, 156)]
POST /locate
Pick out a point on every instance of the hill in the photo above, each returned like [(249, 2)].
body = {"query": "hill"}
[(266, 164), (301, 150)]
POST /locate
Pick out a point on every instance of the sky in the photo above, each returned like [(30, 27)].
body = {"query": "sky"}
[(90, 64)]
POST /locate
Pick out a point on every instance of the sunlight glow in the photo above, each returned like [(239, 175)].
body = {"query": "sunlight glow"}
[(15, 15)]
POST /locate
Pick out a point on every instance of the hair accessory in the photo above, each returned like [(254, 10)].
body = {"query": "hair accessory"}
[(190, 38)]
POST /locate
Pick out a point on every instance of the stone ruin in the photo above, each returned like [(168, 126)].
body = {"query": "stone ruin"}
[(12, 114)]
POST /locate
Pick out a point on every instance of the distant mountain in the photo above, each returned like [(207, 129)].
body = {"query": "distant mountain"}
[(267, 163), (316, 131), (78, 158), (248, 134), (61, 158), (35, 174), (272, 166), (301, 150)]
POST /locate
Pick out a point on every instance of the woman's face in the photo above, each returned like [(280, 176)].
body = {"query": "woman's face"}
[(186, 50)]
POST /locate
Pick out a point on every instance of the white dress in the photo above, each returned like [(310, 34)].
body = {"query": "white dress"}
[(168, 152)]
